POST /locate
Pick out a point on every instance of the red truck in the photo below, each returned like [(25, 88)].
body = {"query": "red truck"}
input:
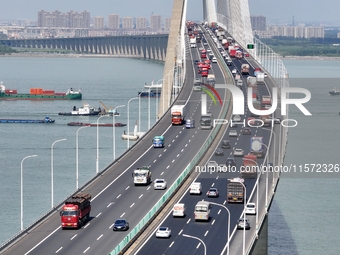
[(204, 72), (203, 54), (232, 53), (76, 211), (248, 169)]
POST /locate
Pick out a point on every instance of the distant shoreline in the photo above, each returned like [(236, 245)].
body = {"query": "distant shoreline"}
[(58, 55)]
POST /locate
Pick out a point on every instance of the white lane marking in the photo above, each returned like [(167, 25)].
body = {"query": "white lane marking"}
[(132, 205), (206, 233), (118, 195), (121, 216), (212, 223), (148, 188), (186, 145), (127, 187), (100, 237), (167, 167), (154, 160), (180, 232), (198, 245), (88, 224), (140, 196), (98, 215), (219, 211), (173, 140), (189, 140), (73, 237), (172, 243), (109, 205), (111, 225), (160, 155), (217, 177), (59, 250), (162, 173), (212, 185), (86, 249), (164, 150), (224, 202), (42, 240), (176, 136), (173, 161), (182, 150), (188, 221), (177, 155)]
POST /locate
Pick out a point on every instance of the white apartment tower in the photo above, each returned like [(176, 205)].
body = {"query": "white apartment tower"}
[(141, 23), (98, 23), (113, 21), (156, 22), (127, 22)]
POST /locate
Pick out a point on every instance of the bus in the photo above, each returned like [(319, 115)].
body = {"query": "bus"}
[(202, 210)]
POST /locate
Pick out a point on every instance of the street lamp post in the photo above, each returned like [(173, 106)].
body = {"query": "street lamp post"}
[(228, 222), (52, 169), (97, 159), (128, 121), (77, 156), (194, 237), (244, 217), (21, 192), (266, 178), (273, 155), (114, 130)]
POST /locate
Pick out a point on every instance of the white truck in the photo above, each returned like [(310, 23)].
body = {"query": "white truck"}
[(193, 42), (206, 121), (260, 78), (142, 175), (177, 114), (178, 210), (256, 146), (211, 80)]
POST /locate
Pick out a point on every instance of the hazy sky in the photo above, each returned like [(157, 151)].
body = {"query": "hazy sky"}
[(275, 10)]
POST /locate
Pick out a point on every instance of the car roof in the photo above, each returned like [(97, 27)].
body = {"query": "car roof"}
[(163, 228), (159, 180)]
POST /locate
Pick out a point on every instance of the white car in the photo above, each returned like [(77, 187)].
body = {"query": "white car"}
[(237, 118), (214, 60), (251, 208), (238, 152), (233, 132), (234, 71), (159, 184), (163, 232)]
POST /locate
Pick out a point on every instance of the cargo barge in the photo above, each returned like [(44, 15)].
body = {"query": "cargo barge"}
[(94, 124), (46, 120), (38, 94)]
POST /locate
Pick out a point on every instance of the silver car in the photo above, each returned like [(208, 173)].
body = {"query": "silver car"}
[(233, 132), (159, 184), (238, 153)]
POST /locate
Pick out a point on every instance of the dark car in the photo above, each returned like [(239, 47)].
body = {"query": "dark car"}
[(120, 225), (219, 152), (230, 162), (246, 131), (213, 192), (196, 62), (225, 144), (243, 224)]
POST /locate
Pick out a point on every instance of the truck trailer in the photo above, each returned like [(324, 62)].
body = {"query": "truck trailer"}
[(235, 190), (256, 146), (177, 114), (76, 211), (249, 166), (142, 175)]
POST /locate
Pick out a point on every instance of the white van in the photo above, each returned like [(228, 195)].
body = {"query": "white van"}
[(178, 210), (195, 188), (202, 210)]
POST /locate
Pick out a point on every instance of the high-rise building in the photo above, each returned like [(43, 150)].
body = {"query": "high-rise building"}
[(141, 23), (167, 22), (156, 22), (127, 22), (113, 21), (98, 23), (258, 23), (70, 19)]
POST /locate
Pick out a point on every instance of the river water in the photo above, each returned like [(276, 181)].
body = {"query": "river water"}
[(304, 216)]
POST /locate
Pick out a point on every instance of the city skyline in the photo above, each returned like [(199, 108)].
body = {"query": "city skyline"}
[(312, 12)]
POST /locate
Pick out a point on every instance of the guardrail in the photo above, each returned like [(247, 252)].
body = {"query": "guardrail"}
[(173, 188)]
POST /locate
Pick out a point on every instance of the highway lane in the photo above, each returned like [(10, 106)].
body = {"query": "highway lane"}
[(214, 237), (117, 198)]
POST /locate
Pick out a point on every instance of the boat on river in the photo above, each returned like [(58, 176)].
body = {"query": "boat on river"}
[(118, 124), (85, 110), (334, 92), (38, 94), (46, 120)]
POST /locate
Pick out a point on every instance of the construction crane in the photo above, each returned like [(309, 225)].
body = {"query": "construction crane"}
[(109, 110)]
